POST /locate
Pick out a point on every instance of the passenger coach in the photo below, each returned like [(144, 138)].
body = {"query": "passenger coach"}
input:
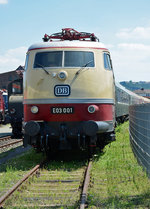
[(68, 92)]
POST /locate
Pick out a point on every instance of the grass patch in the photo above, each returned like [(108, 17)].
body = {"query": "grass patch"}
[(23, 162), (117, 179), (15, 169)]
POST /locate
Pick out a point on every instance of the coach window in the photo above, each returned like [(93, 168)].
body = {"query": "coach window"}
[(107, 62)]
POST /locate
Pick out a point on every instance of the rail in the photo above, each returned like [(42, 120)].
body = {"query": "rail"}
[(5, 196), (139, 130), (49, 188), (6, 142)]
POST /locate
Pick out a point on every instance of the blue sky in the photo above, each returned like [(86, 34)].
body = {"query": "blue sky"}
[(123, 26)]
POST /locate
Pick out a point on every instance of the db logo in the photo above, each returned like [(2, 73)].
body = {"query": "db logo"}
[(62, 90)]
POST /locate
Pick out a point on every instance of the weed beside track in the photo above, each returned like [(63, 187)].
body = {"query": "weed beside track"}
[(117, 181), (16, 168)]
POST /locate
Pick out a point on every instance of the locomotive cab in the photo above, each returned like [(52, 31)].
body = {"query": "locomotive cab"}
[(2, 108), (15, 106), (68, 93)]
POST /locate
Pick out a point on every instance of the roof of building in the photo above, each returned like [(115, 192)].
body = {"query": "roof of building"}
[(20, 68)]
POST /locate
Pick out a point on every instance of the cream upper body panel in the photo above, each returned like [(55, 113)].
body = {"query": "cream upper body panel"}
[(90, 82)]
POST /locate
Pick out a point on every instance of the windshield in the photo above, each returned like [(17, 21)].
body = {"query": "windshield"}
[(48, 59), (64, 59), (78, 59)]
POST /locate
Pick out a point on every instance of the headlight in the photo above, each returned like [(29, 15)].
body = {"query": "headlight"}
[(34, 109), (62, 75), (92, 108)]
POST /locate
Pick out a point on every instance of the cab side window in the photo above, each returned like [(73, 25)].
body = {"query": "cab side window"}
[(26, 62), (16, 87), (107, 61)]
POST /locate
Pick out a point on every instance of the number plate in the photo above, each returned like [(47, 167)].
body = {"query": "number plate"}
[(62, 110), (62, 90)]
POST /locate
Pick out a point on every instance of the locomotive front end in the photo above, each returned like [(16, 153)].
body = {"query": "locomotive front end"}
[(68, 95)]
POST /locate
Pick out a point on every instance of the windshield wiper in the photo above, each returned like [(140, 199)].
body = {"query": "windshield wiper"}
[(77, 73), (42, 68)]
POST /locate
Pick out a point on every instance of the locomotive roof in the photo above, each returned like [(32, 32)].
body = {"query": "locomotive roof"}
[(68, 44)]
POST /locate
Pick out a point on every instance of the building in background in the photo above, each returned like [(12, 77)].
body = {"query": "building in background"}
[(6, 78)]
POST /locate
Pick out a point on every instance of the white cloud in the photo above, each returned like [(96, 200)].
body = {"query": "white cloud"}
[(131, 62), (132, 59), (135, 33), (3, 1), (12, 59)]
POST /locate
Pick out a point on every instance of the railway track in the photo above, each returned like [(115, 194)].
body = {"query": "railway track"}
[(6, 142), (44, 188)]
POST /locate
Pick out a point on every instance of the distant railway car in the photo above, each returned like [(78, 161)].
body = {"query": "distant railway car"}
[(125, 98), (69, 92), (2, 107), (122, 103), (15, 106), (5, 97)]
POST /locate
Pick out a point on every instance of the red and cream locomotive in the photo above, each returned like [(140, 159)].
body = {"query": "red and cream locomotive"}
[(69, 92)]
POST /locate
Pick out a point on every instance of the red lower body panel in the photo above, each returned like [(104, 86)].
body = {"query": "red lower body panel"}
[(104, 112)]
